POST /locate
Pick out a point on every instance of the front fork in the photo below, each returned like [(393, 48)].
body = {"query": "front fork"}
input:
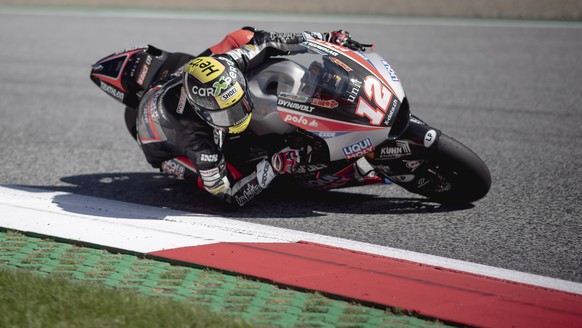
[(404, 160), (420, 133)]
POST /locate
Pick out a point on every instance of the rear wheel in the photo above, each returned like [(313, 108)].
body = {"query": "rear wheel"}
[(453, 174)]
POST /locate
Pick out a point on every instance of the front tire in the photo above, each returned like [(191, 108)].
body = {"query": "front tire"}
[(453, 174)]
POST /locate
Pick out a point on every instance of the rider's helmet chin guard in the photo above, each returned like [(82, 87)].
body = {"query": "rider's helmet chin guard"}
[(217, 90)]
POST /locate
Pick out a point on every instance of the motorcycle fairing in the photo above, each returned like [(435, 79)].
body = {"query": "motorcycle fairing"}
[(110, 74), (360, 101), (345, 86), (126, 74)]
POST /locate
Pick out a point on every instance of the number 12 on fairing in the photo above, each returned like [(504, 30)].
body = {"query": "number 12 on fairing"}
[(380, 97)]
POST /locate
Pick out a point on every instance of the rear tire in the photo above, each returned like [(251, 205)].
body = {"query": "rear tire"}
[(454, 174)]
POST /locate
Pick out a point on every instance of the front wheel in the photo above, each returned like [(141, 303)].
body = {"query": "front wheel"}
[(452, 174)]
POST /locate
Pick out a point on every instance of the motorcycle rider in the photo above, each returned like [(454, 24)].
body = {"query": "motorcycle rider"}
[(182, 121)]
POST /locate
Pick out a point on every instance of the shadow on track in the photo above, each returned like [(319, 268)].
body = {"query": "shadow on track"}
[(160, 190)]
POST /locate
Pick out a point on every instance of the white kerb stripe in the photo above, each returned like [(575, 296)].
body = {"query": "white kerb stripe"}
[(147, 229)]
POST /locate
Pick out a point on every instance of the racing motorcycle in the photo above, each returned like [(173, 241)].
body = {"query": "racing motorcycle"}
[(345, 110)]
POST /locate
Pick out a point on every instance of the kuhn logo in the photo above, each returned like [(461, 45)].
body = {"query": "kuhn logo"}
[(401, 149)]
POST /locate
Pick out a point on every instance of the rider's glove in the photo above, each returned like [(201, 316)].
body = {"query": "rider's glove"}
[(215, 180), (339, 37), (285, 161), (344, 39)]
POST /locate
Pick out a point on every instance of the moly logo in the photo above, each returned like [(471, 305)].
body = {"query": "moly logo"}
[(358, 149)]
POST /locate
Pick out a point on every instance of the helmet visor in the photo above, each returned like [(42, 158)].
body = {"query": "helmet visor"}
[(228, 117)]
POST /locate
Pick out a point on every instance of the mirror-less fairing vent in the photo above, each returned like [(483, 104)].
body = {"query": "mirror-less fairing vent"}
[(110, 68)]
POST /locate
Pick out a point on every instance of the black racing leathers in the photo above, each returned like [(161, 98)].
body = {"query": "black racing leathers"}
[(176, 140)]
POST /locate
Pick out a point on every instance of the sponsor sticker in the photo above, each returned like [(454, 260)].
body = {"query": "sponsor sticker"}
[(202, 92), (112, 91), (326, 134), (174, 168), (301, 121), (208, 157), (210, 175), (144, 71), (230, 96), (413, 165), (295, 105), (400, 149), (354, 90), (402, 178), (358, 149), (323, 49), (181, 102), (204, 69), (326, 103), (390, 70), (293, 97), (391, 112), (340, 64), (429, 138), (265, 174), (422, 182), (249, 192)]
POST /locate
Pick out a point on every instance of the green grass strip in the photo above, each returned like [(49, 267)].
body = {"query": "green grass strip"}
[(45, 283), (29, 300)]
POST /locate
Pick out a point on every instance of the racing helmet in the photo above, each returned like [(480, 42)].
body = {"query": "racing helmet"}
[(217, 90)]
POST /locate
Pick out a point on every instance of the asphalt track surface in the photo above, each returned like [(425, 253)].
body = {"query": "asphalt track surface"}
[(509, 90)]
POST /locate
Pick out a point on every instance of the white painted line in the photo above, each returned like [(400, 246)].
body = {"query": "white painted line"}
[(109, 223), (147, 229)]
